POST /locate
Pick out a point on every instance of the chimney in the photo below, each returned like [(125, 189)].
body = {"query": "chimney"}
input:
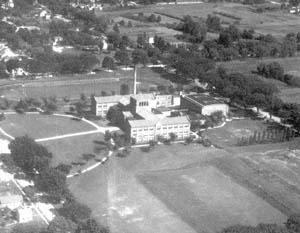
[(135, 77)]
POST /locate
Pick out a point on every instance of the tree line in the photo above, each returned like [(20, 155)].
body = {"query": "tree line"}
[(34, 160)]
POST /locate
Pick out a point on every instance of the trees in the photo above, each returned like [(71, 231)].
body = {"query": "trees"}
[(3, 71), (53, 182), (108, 62), (213, 23), (196, 29), (91, 226), (124, 90), (29, 155), (75, 211), (293, 223), (272, 70), (61, 225), (139, 56), (116, 28), (123, 57)]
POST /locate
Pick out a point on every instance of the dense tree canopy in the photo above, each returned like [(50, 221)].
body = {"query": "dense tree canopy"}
[(29, 155)]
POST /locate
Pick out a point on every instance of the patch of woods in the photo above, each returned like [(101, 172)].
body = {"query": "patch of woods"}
[(189, 64), (275, 71), (71, 216)]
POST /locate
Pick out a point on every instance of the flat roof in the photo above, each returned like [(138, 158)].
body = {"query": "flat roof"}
[(203, 99), (108, 99), (141, 123), (175, 120), (146, 96)]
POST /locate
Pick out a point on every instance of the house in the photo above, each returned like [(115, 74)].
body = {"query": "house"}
[(24, 215), (45, 15), (203, 104)]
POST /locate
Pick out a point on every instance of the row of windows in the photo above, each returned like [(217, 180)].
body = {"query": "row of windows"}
[(164, 127), (143, 103)]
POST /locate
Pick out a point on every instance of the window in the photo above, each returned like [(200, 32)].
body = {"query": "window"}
[(134, 130), (176, 126), (145, 129), (170, 127), (140, 130)]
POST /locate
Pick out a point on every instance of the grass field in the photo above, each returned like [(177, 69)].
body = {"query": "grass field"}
[(291, 65), (229, 134), (69, 150), (72, 86), (187, 189), (42, 126)]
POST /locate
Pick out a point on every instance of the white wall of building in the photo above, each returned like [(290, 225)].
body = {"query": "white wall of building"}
[(209, 109)]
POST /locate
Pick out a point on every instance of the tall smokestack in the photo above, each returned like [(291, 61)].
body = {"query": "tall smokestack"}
[(135, 77)]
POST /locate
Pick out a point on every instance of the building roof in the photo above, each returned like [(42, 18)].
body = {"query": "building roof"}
[(147, 115), (141, 123), (175, 120), (123, 99), (203, 99), (163, 121), (140, 97), (108, 99)]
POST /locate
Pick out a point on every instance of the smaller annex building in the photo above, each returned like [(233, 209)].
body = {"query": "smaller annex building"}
[(204, 104)]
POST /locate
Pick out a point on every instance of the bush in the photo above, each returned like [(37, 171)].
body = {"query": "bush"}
[(145, 148)]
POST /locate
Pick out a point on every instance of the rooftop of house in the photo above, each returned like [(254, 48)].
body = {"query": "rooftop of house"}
[(203, 99)]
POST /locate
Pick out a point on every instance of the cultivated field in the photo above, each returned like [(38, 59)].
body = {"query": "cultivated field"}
[(208, 200), (291, 65), (277, 23), (42, 126), (188, 189)]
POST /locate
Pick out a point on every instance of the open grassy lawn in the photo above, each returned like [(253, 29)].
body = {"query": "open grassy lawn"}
[(208, 200), (172, 189), (72, 86), (70, 150), (42, 126), (229, 134)]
